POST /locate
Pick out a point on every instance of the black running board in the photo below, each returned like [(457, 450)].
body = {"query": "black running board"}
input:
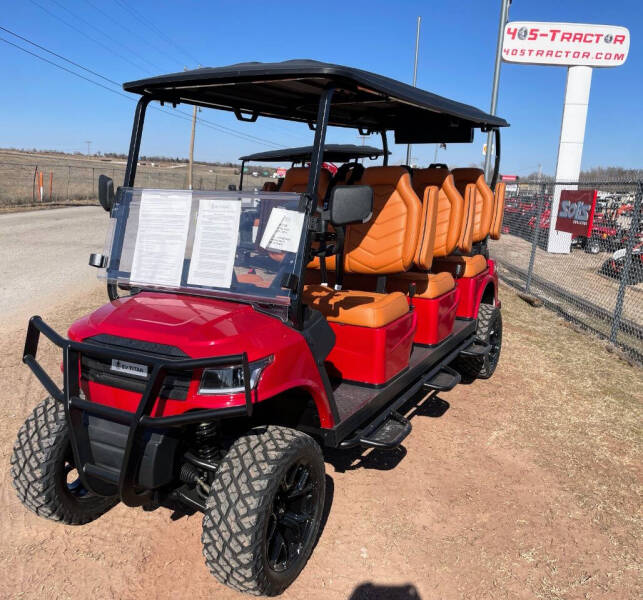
[(476, 350), (389, 434), (444, 381)]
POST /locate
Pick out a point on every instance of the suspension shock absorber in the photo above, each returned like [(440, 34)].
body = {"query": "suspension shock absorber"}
[(205, 441)]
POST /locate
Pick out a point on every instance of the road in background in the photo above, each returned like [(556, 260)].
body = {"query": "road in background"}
[(44, 256)]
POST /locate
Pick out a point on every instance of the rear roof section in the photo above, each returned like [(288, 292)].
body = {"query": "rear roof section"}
[(332, 153), (291, 90)]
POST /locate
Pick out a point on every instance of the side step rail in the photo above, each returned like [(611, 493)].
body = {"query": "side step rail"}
[(389, 434), (476, 349), (364, 436), (444, 381)]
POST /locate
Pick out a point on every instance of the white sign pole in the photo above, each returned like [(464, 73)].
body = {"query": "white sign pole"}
[(570, 149)]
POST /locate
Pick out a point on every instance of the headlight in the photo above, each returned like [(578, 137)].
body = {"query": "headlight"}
[(229, 380)]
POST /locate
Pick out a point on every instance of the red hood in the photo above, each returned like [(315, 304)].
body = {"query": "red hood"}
[(198, 326)]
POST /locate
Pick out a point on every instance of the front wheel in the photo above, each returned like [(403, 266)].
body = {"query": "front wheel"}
[(264, 510), (593, 246), (44, 473)]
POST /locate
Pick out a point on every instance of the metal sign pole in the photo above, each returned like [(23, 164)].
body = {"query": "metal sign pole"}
[(504, 16), (415, 74)]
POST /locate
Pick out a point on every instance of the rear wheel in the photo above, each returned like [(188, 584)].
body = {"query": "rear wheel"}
[(44, 472), (488, 331), (264, 510)]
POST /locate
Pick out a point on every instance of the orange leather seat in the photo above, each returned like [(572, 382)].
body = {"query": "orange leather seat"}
[(463, 266), (471, 181), (296, 180), (385, 244), (427, 285), (450, 207), (351, 307), (476, 223), (442, 210), (498, 211)]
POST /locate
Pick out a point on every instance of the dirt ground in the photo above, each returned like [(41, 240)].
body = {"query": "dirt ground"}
[(524, 486)]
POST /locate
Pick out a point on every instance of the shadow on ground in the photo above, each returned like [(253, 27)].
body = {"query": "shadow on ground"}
[(372, 591)]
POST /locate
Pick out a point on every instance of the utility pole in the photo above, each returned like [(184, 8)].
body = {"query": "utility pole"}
[(89, 145), (415, 74), (191, 162), (504, 16), (191, 159)]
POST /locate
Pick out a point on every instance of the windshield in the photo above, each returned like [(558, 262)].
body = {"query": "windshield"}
[(237, 245)]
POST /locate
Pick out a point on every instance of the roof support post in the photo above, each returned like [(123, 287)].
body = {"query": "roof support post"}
[(317, 157), (243, 166), (384, 148), (496, 164), (135, 142)]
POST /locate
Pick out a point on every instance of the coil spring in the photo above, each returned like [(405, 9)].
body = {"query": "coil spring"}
[(205, 437)]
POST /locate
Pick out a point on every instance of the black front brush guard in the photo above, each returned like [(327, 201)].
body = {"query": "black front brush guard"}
[(95, 478)]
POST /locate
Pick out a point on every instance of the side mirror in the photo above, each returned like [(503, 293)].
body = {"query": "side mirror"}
[(350, 204), (106, 192)]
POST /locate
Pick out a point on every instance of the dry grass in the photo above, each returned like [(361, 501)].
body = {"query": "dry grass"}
[(75, 178), (586, 429)]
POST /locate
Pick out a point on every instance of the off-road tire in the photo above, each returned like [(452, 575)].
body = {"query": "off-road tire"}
[(241, 502), (41, 455), (489, 326)]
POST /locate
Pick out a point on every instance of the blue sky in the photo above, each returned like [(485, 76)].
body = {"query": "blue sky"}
[(44, 107)]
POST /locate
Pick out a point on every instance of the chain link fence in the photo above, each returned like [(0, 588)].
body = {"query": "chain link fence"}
[(596, 284), (54, 182)]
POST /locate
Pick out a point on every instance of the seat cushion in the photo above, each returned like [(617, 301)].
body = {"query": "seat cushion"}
[(462, 266), (364, 309), (427, 285)]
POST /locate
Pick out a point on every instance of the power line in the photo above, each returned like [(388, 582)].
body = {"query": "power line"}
[(102, 32), (71, 62), (181, 115), (120, 25), (137, 15), (64, 68), (111, 49)]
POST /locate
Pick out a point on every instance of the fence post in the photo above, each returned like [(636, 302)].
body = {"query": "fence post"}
[(627, 263), (534, 237), (33, 187), (68, 180)]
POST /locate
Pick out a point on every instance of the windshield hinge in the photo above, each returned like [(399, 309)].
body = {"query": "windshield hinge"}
[(290, 281)]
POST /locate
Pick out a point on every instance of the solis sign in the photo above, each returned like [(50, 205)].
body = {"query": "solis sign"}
[(576, 211), (565, 44)]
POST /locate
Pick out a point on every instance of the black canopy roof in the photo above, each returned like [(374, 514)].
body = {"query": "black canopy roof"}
[(332, 153), (291, 90)]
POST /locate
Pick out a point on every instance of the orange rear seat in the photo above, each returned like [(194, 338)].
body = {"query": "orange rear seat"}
[(498, 211), (296, 180), (476, 223)]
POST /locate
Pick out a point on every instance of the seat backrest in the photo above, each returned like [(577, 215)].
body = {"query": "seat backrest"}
[(482, 197), (387, 243), (498, 211), (296, 180), (423, 257), (450, 207)]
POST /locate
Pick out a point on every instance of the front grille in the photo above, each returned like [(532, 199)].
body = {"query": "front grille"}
[(175, 385)]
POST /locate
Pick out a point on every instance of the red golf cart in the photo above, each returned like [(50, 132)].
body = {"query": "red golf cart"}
[(246, 331)]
